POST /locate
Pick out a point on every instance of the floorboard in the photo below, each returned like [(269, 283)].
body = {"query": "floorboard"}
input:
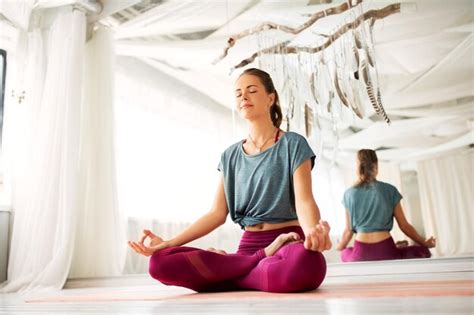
[(434, 286)]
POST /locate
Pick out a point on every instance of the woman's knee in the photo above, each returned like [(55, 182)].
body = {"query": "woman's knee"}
[(416, 252), (425, 252), (161, 265), (346, 254), (312, 267), (300, 270)]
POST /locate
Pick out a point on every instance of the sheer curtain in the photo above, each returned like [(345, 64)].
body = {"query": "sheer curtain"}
[(411, 200), (44, 194), (60, 153), (447, 199), (328, 190), (100, 244)]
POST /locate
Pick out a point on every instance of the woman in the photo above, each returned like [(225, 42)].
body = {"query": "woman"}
[(370, 208), (266, 188)]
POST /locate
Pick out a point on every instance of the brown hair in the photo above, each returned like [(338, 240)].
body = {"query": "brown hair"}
[(367, 166), (275, 109)]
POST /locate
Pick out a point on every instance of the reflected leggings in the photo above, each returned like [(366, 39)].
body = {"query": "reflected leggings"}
[(383, 250), (291, 269)]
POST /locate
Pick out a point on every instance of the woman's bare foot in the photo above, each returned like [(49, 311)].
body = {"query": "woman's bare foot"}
[(401, 244), (281, 240), (217, 251)]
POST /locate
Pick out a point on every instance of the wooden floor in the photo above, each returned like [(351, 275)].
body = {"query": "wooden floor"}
[(435, 286)]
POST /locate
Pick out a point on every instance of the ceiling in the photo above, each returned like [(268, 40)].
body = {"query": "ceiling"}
[(424, 60)]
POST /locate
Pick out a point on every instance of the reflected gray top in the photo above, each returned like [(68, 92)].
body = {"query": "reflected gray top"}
[(259, 188), (371, 206)]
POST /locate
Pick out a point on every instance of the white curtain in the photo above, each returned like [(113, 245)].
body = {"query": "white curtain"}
[(411, 200), (60, 156), (44, 195), (100, 245), (328, 190), (447, 202)]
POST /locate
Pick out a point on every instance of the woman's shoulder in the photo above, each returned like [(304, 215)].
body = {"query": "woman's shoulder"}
[(232, 148), (294, 139), (362, 188), (386, 186), (351, 191), (291, 135)]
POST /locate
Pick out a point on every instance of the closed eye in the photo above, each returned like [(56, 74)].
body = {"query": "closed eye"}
[(252, 91)]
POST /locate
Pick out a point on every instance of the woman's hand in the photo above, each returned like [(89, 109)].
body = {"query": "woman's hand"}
[(340, 246), (430, 242), (318, 238), (156, 243)]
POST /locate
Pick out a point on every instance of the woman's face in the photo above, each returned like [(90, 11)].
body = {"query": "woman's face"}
[(251, 99)]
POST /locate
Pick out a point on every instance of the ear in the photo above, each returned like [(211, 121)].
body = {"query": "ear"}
[(271, 97)]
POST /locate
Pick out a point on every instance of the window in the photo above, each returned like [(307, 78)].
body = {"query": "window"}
[(3, 73)]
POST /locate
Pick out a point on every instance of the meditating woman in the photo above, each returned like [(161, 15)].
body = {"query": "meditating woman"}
[(371, 206), (266, 188)]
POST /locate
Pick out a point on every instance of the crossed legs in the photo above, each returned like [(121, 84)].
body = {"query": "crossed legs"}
[(283, 266)]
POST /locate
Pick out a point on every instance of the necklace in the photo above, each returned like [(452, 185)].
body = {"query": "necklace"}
[(259, 149)]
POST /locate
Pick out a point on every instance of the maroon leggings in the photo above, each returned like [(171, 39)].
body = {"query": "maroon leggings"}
[(383, 250), (291, 269)]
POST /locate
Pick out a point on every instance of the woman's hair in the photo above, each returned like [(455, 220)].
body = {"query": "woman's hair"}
[(275, 109), (366, 166)]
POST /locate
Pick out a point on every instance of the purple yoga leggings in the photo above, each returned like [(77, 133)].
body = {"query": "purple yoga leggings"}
[(291, 269), (383, 250)]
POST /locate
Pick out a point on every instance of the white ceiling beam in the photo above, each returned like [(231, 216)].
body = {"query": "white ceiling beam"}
[(111, 7), (461, 46), (435, 111), (217, 88), (92, 6), (451, 145)]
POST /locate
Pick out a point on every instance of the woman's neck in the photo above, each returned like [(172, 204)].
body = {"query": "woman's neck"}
[(261, 130)]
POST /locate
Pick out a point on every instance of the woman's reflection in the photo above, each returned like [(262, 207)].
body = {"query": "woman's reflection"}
[(371, 206)]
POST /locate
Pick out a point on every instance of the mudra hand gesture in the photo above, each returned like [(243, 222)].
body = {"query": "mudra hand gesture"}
[(430, 242), (318, 237), (156, 243)]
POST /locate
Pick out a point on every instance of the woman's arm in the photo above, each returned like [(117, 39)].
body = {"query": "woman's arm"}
[(306, 207), (409, 230), (208, 222), (316, 231), (346, 235)]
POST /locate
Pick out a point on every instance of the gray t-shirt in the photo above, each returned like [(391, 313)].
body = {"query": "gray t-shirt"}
[(259, 188), (371, 206)]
